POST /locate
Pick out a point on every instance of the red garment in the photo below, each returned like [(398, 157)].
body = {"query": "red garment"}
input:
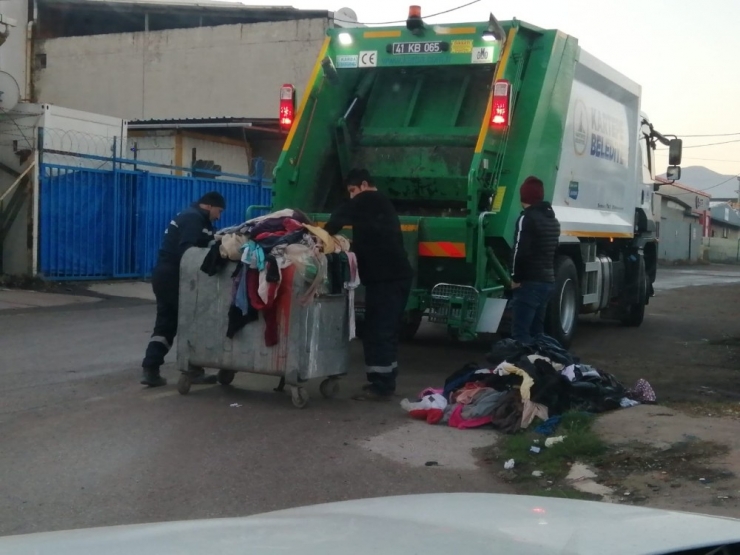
[(267, 234), (291, 225), (269, 309)]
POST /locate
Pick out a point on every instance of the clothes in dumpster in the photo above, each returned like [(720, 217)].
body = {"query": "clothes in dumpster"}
[(529, 383), (214, 262), (231, 246), (265, 247)]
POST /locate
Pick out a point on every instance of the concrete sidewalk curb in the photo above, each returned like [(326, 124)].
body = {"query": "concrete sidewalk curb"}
[(16, 299)]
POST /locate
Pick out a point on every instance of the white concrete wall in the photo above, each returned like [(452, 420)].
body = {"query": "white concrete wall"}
[(229, 71), (160, 147), (231, 157), (722, 251), (13, 51), (157, 147)]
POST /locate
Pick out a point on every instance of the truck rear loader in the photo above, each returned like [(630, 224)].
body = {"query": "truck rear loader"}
[(449, 120)]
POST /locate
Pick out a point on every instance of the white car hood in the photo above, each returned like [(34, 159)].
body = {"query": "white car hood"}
[(437, 524)]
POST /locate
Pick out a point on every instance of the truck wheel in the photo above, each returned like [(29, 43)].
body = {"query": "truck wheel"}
[(634, 313), (565, 305)]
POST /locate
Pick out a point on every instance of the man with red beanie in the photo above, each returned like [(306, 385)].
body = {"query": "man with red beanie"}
[(533, 262)]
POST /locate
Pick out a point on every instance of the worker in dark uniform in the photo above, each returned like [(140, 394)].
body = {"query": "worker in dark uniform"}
[(536, 238), (386, 274), (192, 227)]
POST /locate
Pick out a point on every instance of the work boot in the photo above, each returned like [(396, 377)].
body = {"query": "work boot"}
[(372, 392), (201, 378), (151, 377)]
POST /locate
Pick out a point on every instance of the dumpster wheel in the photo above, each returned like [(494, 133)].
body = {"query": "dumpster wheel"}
[(225, 377), (299, 396), (183, 384), (329, 388)]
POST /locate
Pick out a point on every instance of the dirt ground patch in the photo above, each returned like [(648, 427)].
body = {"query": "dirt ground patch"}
[(687, 348), (685, 453), (672, 460), (649, 455)]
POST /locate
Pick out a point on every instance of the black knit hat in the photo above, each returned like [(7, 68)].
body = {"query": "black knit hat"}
[(214, 199)]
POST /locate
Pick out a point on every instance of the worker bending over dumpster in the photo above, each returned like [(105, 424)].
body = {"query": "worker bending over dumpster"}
[(386, 274), (192, 227)]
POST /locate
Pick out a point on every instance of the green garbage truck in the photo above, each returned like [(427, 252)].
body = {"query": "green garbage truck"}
[(449, 120)]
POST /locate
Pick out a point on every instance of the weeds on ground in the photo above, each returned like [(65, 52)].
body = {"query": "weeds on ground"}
[(581, 444)]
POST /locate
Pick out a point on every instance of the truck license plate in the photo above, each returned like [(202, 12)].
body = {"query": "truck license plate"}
[(434, 47)]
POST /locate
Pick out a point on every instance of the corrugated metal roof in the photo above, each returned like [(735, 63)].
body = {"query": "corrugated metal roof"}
[(215, 120), (75, 18), (725, 215), (202, 4)]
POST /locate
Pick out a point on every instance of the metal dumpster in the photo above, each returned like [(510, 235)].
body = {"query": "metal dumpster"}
[(313, 339)]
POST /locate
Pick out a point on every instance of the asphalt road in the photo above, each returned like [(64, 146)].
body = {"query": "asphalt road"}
[(83, 444)]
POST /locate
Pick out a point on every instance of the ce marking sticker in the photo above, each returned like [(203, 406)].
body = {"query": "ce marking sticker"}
[(368, 58)]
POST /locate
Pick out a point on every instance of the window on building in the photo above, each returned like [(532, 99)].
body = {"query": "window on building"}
[(725, 233)]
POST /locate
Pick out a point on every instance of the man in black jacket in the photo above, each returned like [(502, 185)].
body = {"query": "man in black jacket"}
[(192, 227), (533, 262), (386, 274)]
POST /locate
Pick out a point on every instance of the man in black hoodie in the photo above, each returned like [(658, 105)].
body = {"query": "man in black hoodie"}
[(192, 227), (386, 274), (533, 262)]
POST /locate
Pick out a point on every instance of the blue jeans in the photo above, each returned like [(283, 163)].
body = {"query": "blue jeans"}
[(528, 309)]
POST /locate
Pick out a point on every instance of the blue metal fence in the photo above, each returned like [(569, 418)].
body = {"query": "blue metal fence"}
[(108, 223)]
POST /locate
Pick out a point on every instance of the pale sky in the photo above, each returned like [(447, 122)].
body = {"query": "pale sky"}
[(684, 54)]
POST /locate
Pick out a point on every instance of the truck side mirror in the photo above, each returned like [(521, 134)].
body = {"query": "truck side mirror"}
[(673, 173), (675, 149)]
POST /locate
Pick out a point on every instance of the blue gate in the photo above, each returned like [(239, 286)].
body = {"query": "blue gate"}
[(108, 223)]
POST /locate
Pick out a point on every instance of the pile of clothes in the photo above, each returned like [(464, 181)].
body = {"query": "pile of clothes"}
[(522, 383), (269, 251)]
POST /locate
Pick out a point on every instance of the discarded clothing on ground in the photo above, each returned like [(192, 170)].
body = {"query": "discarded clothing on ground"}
[(529, 384), (429, 407)]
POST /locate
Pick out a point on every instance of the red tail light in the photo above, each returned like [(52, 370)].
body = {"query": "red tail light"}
[(501, 104), (287, 107)]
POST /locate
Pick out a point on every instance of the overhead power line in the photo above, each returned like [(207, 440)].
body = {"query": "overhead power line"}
[(404, 21), (708, 144), (714, 144), (711, 135), (722, 183)]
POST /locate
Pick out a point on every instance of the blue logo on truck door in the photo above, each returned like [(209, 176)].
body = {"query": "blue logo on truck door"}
[(573, 190)]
